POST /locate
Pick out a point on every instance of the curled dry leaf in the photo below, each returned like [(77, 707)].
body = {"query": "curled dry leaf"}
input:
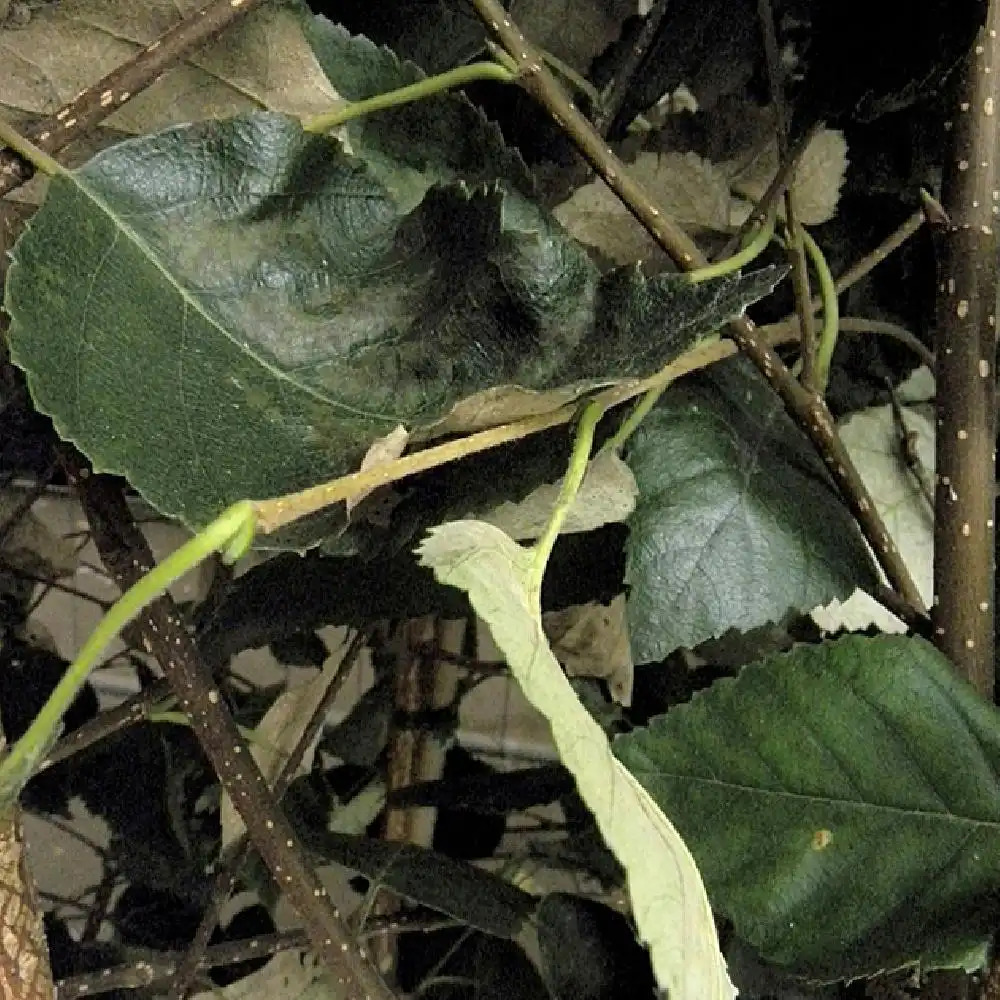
[(377, 504), (692, 191), (591, 640), (818, 179), (668, 898), (872, 438), (606, 495)]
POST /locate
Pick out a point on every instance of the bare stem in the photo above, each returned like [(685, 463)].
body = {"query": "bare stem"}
[(164, 635), (966, 385), (807, 408)]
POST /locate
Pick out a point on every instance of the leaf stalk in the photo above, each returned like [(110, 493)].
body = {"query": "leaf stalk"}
[(430, 87)]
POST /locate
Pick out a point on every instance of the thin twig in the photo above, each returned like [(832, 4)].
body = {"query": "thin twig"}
[(51, 584), (128, 713), (617, 90), (233, 859), (74, 833), (164, 636), (795, 247), (861, 324), (156, 968), (871, 260), (775, 190), (98, 913), (787, 330), (93, 105), (861, 269), (906, 443), (806, 407)]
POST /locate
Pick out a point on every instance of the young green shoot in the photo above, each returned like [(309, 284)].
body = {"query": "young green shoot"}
[(231, 534), (577, 469), (753, 249), (26, 149), (458, 77), (831, 312)]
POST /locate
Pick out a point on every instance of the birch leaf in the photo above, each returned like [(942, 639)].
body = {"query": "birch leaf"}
[(689, 189), (263, 61), (242, 287)]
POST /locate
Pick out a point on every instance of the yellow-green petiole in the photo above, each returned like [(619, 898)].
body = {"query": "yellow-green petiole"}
[(753, 249), (831, 312), (458, 77), (576, 470)]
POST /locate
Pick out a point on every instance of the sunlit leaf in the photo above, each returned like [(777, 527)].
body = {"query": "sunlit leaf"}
[(668, 899)]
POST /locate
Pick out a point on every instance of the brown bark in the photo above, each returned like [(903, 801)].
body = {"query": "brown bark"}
[(963, 611), (25, 973)]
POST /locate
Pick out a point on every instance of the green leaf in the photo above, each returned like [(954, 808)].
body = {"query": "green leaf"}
[(411, 147), (842, 802), (737, 522), (251, 298), (588, 951), (668, 899), (288, 594), (437, 36), (493, 793), (460, 890)]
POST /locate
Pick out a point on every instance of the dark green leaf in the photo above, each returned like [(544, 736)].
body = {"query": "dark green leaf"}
[(411, 147), (589, 951), (841, 802), (435, 34), (458, 889), (252, 299), (457, 964), (291, 593), (496, 793), (299, 649), (737, 522), (360, 737)]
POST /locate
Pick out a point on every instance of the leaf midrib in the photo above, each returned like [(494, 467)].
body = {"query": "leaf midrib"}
[(826, 801), (78, 182)]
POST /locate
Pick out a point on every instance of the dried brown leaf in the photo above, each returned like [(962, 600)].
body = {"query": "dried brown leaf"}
[(818, 178), (591, 640), (262, 62)]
